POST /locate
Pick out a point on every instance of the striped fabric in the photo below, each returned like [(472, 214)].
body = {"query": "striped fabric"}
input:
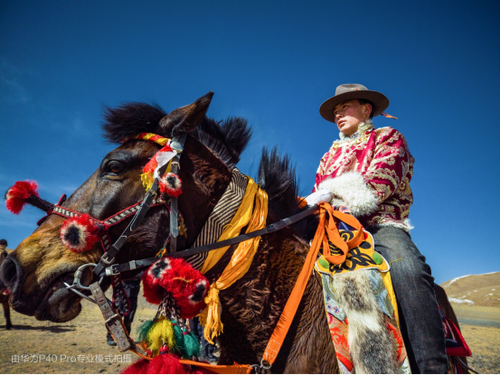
[(222, 214), (162, 141)]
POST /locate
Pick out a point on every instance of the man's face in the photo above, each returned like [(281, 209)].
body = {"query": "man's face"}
[(349, 114)]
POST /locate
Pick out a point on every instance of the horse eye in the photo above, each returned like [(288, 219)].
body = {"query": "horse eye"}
[(114, 167)]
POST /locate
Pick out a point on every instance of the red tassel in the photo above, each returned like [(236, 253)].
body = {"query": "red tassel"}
[(139, 367), (171, 185), (79, 233), (167, 364), (17, 195)]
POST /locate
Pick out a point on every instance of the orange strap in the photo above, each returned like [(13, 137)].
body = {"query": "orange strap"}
[(327, 231), (220, 369)]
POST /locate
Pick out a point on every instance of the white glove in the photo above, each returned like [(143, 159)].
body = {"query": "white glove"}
[(319, 196)]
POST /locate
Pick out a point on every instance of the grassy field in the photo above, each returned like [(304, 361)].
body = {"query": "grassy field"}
[(481, 329)]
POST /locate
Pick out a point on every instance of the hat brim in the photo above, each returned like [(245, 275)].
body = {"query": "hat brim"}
[(378, 100)]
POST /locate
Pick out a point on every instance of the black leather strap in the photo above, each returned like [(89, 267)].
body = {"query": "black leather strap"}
[(216, 245)]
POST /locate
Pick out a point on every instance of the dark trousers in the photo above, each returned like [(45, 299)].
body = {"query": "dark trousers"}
[(413, 284)]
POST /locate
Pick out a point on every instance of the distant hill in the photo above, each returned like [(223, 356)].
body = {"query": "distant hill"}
[(479, 290)]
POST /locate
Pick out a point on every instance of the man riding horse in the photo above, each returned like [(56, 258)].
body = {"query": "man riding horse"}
[(369, 171)]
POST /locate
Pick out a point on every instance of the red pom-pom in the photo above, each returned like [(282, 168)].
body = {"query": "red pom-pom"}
[(139, 367), (171, 185), (187, 286), (153, 292), (17, 195), (167, 364), (79, 233)]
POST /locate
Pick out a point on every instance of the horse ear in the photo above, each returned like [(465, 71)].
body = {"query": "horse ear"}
[(185, 119)]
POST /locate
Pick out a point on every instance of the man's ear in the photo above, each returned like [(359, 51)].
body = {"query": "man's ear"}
[(185, 119), (367, 110)]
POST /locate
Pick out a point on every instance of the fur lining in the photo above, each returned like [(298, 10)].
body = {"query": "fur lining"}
[(351, 190), (370, 344), (405, 225)]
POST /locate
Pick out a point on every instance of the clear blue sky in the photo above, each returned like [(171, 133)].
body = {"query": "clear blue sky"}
[(274, 63)]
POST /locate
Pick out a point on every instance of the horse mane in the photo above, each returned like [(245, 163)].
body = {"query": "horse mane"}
[(227, 139), (277, 177)]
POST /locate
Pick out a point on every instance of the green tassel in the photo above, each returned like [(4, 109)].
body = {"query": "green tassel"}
[(192, 345), (144, 328), (180, 347)]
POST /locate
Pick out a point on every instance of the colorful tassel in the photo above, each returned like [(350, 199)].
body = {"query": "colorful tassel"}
[(16, 197), (160, 334), (144, 329), (79, 233), (151, 169)]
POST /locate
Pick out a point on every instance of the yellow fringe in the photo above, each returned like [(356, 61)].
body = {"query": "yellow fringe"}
[(253, 214), (210, 317), (160, 333), (147, 180)]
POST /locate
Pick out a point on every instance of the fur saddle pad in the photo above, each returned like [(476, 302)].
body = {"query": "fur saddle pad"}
[(361, 310)]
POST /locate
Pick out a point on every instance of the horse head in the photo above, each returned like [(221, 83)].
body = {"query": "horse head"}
[(36, 272)]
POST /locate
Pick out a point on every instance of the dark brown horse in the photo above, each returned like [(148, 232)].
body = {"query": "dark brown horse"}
[(35, 271)]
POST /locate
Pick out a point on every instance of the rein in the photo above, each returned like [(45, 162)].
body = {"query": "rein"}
[(271, 228)]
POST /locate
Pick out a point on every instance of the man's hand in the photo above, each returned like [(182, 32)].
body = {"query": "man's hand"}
[(319, 196)]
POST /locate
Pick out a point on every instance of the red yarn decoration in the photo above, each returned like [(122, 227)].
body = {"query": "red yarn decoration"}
[(187, 286), (17, 195), (152, 290), (79, 233), (171, 185)]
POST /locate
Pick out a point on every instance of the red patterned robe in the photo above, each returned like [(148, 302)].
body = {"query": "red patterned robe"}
[(370, 173)]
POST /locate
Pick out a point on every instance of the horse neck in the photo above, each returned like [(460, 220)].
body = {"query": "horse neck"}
[(204, 180), (252, 307)]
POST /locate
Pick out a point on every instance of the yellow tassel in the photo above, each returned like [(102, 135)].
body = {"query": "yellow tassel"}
[(147, 180), (161, 333), (210, 317)]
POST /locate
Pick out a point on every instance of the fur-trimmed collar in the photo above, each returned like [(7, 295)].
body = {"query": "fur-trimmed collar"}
[(362, 129)]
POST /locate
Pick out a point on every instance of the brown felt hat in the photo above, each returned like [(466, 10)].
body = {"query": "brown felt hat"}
[(353, 91)]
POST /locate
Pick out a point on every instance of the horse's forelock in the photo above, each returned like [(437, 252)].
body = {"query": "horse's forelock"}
[(130, 119)]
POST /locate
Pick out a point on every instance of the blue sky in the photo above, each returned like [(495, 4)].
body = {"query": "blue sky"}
[(273, 63)]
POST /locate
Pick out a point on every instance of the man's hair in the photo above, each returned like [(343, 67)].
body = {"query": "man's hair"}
[(364, 101), (3, 242)]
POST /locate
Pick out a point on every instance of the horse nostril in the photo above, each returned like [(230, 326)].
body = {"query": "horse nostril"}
[(9, 274)]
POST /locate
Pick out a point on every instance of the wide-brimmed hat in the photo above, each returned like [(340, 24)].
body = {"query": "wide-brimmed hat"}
[(353, 91)]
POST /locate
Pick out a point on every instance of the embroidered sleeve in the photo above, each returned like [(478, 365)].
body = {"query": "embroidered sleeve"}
[(391, 163)]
